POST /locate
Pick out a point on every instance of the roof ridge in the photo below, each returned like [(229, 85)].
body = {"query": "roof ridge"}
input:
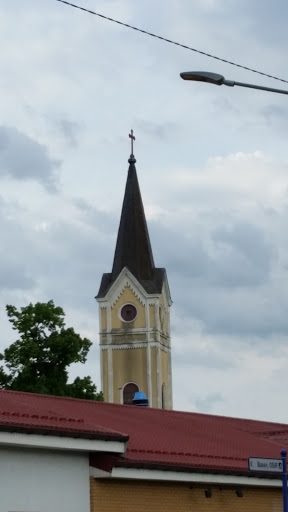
[(44, 395), (186, 454), (40, 416)]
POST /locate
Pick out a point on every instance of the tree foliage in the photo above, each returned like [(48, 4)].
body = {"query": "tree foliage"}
[(39, 359)]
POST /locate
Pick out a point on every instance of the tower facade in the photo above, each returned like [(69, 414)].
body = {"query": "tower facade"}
[(134, 302)]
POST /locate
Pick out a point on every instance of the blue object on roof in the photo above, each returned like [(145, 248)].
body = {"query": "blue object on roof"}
[(140, 399)]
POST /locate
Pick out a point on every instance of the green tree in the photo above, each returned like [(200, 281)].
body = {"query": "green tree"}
[(39, 360)]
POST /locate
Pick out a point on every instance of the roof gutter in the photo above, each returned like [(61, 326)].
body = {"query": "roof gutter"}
[(197, 478), (62, 432), (54, 442)]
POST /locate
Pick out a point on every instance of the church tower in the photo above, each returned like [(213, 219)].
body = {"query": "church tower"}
[(134, 302)]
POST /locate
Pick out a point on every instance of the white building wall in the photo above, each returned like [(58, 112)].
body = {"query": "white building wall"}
[(43, 481)]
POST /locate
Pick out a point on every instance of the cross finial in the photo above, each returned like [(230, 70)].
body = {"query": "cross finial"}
[(132, 137)]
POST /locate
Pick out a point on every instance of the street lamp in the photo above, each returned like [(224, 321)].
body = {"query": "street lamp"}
[(214, 78)]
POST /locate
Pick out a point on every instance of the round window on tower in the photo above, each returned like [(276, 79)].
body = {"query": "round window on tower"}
[(128, 313)]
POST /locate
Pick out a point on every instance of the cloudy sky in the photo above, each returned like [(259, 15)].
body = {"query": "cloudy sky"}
[(212, 164)]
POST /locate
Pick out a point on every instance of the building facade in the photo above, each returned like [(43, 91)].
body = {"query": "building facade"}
[(134, 303), (62, 454)]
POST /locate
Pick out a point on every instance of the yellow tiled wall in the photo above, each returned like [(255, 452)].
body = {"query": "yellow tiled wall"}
[(132, 496)]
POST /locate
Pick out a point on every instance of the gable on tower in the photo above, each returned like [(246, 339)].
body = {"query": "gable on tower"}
[(125, 279)]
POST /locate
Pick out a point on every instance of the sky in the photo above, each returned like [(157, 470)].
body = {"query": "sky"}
[(212, 164)]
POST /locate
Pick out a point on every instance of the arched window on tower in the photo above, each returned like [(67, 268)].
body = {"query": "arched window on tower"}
[(163, 396), (129, 391)]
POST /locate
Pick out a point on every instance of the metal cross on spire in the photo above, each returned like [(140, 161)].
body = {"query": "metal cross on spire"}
[(132, 137)]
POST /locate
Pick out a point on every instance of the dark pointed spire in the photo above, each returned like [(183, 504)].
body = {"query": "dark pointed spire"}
[(133, 248)]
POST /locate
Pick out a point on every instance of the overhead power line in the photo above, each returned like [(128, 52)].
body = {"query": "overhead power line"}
[(170, 41)]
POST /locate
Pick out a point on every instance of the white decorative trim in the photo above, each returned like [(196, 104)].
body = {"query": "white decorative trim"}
[(132, 284), (98, 473), (121, 290), (147, 320), (101, 369), (61, 443), (117, 297), (197, 478), (137, 295), (165, 298), (99, 320), (157, 318), (161, 346), (108, 318), (158, 377), (166, 291), (110, 376), (168, 323), (135, 344), (153, 302), (148, 356), (117, 286), (134, 330), (149, 377), (170, 388), (126, 346)]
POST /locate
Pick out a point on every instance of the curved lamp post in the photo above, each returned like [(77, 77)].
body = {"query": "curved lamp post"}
[(214, 78)]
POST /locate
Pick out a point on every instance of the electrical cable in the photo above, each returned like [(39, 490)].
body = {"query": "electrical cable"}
[(171, 41)]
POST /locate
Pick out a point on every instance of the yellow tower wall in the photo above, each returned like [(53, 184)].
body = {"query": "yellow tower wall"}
[(152, 323), (103, 319), (129, 365), (164, 368), (129, 356)]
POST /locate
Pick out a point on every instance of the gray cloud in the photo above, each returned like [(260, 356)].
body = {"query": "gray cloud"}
[(223, 281), (23, 158), (208, 403), (16, 273), (263, 21), (275, 115), (200, 358), (70, 130), (15, 277), (234, 257), (244, 312), (244, 256), (160, 131), (102, 221)]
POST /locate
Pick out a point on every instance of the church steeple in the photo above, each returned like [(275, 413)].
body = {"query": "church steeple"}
[(134, 302), (133, 247)]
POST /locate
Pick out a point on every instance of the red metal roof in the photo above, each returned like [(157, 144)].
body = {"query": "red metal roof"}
[(169, 439), (48, 414)]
